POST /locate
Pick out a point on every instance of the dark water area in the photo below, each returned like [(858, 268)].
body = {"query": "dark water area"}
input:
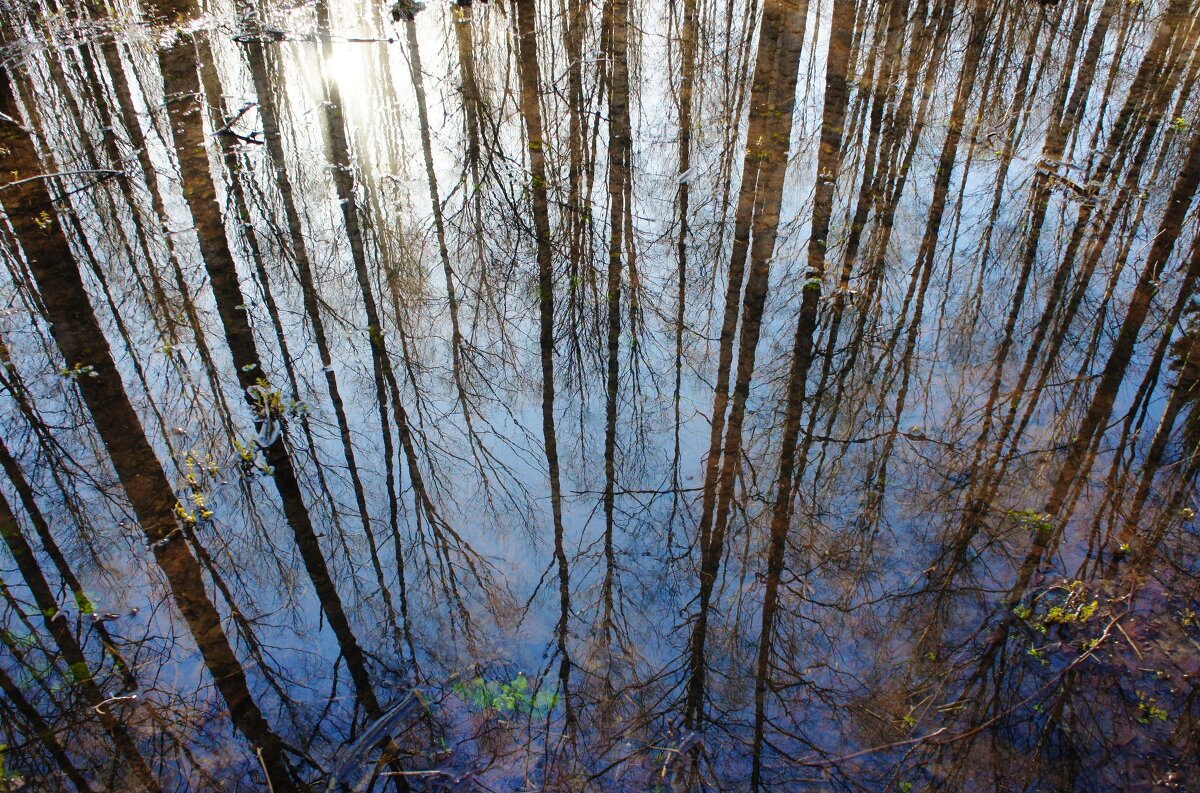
[(594, 395)]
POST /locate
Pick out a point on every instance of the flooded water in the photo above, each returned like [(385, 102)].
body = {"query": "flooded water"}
[(600, 395)]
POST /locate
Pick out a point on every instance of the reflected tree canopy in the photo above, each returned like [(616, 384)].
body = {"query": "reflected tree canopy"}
[(573, 395)]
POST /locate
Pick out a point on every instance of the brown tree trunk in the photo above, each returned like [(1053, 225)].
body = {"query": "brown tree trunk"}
[(181, 85), (44, 731), (58, 626), (86, 351), (772, 103), (524, 15)]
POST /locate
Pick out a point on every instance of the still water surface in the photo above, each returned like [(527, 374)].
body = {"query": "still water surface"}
[(600, 395)]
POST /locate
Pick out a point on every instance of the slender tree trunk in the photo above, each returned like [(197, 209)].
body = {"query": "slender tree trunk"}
[(181, 85), (927, 252), (620, 146), (772, 104), (457, 343), (462, 20), (1079, 457), (83, 345), (44, 731), (829, 158), (42, 528), (688, 41), (132, 125), (59, 627), (524, 15), (1183, 393)]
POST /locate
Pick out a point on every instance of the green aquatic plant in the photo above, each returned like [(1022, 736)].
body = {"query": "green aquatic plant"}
[(1067, 614), (1148, 711), (1075, 608), (1032, 520), (511, 697), (79, 370)]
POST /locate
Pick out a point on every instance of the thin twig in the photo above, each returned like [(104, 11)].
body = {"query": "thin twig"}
[(266, 775), (101, 171)]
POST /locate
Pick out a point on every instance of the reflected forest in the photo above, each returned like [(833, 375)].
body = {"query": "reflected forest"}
[(599, 395)]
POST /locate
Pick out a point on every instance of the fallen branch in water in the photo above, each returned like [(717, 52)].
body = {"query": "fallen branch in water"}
[(99, 171)]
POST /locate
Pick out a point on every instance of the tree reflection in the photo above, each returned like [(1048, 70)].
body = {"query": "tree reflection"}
[(599, 395)]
